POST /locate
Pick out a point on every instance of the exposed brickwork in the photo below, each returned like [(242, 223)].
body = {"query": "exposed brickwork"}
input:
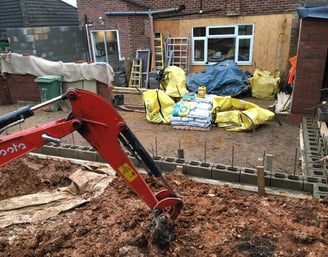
[(312, 56), (233, 8), (105, 92), (23, 88), (134, 29), (5, 97)]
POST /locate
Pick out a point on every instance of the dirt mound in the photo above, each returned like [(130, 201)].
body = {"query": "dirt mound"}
[(216, 220)]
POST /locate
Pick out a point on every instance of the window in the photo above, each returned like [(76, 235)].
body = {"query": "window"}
[(105, 47), (216, 43)]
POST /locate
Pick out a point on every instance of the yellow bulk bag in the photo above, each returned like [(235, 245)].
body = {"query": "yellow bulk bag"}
[(238, 115), (159, 106), (174, 81), (264, 84)]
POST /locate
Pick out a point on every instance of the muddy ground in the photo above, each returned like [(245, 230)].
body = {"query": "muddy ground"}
[(216, 220), (245, 149)]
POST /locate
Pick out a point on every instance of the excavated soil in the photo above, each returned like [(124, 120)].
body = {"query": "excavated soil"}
[(216, 220)]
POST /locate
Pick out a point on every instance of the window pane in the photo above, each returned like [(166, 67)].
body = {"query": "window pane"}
[(111, 42), (99, 46), (220, 49), (245, 29), (111, 36), (112, 49), (199, 50), (244, 49), (222, 31), (199, 32)]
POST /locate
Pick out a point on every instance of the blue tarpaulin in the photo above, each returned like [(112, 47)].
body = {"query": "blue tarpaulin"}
[(223, 78)]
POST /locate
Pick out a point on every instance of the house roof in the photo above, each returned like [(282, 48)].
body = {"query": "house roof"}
[(30, 13)]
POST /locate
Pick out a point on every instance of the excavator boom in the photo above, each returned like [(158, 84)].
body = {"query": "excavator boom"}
[(104, 129)]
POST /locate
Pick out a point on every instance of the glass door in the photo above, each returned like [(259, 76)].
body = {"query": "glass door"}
[(105, 45)]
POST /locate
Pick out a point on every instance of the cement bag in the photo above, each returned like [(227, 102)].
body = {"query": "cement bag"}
[(159, 106), (174, 81), (264, 84), (238, 115)]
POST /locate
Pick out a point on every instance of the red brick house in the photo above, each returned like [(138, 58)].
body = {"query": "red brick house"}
[(259, 34), (266, 31), (269, 32)]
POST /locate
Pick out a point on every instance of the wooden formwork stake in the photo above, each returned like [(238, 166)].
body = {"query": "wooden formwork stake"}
[(260, 181)]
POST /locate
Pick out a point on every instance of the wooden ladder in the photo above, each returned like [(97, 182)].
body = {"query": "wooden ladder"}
[(159, 51), (136, 73)]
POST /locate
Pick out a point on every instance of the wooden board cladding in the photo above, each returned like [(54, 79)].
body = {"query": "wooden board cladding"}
[(271, 37)]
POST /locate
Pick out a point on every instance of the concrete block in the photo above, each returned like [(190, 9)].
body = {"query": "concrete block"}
[(314, 172), (181, 163), (50, 149), (313, 165), (292, 182), (136, 162), (225, 173), (320, 191), (313, 158), (37, 150), (158, 160), (100, 159), (309, 182), (249, 176), (87, 153), (199, 169), (68, 151), (168, 164)]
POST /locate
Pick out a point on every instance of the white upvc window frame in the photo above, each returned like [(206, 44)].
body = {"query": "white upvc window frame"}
[(237, 39), (95, 54)]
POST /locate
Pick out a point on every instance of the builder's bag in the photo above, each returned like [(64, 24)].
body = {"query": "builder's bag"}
[(173, 81), (238, 115), (264, 84), (159, 106)]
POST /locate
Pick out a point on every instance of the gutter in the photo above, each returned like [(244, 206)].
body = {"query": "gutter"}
[(313, 12), (150, 14)]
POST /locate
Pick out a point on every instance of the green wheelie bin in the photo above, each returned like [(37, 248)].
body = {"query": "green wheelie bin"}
[(50, 87)]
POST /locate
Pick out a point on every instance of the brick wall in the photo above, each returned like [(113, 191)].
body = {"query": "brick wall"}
[(134, 29), (223, 7), (312, 56), (5, 97), (105, 92), (22, 88)]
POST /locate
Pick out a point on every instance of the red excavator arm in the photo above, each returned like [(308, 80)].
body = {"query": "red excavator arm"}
[(102, 126)]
